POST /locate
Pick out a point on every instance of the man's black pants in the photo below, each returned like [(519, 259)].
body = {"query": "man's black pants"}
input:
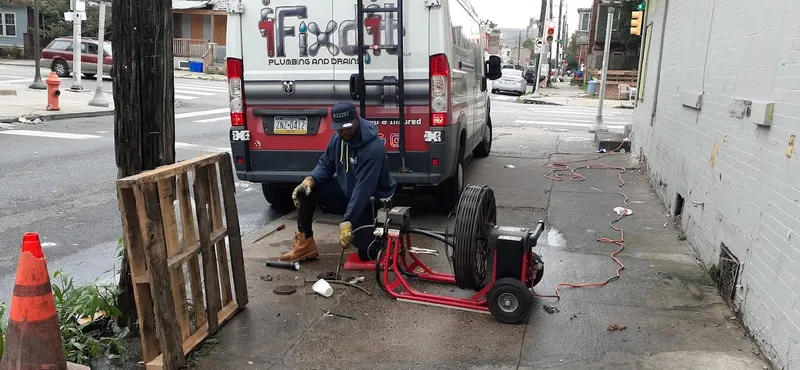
[(331, 200)]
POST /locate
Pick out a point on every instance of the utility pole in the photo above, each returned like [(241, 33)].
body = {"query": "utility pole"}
[(543, 29), (144, 103), (99, 100), (519, 46), (37, 83), (78, 13), (560, 38), (599, 125)]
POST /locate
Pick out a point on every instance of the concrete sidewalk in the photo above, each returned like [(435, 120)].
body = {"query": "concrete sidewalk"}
[(562, 93), (662, 313), (26, 105)]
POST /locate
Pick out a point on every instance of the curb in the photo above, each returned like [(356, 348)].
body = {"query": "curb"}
[(537, 101), (57, 116), (11, 62)]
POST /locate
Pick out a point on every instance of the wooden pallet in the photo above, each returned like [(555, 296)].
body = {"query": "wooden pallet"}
[(163, 259)]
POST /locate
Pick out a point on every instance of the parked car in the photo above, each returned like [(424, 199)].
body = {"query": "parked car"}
[(281, 91), (58, 56), (511, 81)]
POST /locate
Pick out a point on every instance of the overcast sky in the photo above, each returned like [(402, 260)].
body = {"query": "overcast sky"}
[(516, 13)]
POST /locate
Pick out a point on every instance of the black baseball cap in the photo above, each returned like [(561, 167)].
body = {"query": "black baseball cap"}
[(343, 114)]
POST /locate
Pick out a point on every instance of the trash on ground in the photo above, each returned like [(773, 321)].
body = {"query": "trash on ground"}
[(330, 275), (356, 280), (509, 166), (594, 188), (550, 309), (322, 288), (623, 211), (329, 314), (284, 290), (616, 327), (267, 278), (601, 151)]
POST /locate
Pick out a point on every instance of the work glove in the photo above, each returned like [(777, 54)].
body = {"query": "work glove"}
[(305, 187), (345, 234)]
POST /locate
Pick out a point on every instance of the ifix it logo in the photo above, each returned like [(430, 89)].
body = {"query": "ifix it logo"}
[(277, 26)]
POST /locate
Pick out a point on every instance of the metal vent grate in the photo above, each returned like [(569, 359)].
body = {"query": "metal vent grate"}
[(728, 275)]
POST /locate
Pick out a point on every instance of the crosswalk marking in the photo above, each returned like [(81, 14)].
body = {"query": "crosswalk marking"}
[(202, 88), (201, 113), (49, 134), (190, 92), (569, 124), (16, 81), (198, 146), (225, 118)]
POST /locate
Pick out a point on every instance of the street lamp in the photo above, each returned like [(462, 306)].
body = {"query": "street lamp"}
[(37, 84)]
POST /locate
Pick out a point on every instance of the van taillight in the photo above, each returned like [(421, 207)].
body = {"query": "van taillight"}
[(236, 91), (440, 90)]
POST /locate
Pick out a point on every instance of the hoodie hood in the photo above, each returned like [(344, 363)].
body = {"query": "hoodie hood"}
[(368, 132)]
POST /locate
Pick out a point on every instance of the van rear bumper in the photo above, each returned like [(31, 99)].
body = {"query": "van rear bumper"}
[(295, 177)]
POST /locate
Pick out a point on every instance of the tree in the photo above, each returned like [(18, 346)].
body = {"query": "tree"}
[(488, 23), (571, 54), (53, 24)]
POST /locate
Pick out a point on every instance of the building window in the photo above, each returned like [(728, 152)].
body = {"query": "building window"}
[(584, 24), (8, 24)]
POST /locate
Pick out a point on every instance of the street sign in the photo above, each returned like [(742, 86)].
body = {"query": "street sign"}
[(538, 48), (641, 5)]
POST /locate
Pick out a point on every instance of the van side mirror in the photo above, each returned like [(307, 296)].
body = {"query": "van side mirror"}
[(493, 66)]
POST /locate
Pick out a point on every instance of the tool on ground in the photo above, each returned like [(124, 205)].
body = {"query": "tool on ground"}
[(279, 228), (329, 313), (496, 261), (339, 265), (284, 265)]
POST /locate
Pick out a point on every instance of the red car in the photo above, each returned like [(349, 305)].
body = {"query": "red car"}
[(58, 55)]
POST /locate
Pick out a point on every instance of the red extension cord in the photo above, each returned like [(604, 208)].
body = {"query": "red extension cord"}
[(576, 176)]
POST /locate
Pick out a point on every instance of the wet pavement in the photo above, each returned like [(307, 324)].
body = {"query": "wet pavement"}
[(662, 313)]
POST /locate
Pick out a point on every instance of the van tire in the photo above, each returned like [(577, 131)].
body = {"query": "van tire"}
[(485, 146), (449, 192), (279, 196)]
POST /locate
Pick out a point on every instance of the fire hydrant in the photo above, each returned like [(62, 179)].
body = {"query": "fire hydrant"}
[(53, 82)]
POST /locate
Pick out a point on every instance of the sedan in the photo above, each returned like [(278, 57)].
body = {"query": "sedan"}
[(511, 81)]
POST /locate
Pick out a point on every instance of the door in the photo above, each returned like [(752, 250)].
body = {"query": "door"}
[(462, 65)]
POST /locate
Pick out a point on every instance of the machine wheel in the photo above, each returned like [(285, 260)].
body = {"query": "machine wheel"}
[(279, 195), (60, 68), (485, 147), (510, 301), (532, 280)]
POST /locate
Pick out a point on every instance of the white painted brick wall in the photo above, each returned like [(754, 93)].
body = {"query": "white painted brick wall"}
[(727, 49)]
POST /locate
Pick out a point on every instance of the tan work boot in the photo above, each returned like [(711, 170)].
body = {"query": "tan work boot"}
[(302, 249)]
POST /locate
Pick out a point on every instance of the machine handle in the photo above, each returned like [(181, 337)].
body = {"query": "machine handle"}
[(537, 233)]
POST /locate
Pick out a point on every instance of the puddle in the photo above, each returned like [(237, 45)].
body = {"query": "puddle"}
[(555, 239)]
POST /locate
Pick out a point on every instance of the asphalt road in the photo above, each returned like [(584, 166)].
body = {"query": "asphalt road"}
[(58, 178)]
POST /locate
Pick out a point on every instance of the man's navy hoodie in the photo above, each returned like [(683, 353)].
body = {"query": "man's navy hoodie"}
[(361, 168)]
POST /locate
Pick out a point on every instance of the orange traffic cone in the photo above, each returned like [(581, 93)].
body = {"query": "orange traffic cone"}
[(33, 339)]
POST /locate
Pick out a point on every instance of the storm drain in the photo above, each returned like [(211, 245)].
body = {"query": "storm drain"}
[(728, 275)]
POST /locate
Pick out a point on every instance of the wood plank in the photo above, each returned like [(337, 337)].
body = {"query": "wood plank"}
[(190, 238), (234, 233), (156, 257), (216, 222), (202, 200), (225, 315), (169, 171), (196, 249), (166, 196), (132, 240)]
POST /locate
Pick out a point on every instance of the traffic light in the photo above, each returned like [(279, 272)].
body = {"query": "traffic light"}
[(551, 30), (636, 22)]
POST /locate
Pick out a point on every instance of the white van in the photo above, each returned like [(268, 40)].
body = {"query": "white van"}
[(289, 61)]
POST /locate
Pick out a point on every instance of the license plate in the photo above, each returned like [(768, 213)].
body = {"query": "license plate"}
[(433, 136), (241, 135), (290, 125)]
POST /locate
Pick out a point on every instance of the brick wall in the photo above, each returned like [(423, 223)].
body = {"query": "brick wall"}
[(740, 189)]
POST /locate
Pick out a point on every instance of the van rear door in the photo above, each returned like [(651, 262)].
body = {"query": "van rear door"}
[(288, 81)]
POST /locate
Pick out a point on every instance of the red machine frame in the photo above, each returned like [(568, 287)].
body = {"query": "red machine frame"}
[(396, 248)]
